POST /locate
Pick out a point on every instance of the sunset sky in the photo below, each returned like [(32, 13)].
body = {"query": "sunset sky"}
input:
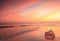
[(30, 11)]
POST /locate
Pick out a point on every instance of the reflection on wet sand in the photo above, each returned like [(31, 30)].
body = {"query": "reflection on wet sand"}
[(18, 33), (35, 33)]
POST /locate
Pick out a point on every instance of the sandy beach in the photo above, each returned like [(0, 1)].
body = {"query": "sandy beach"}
[(18, 34)]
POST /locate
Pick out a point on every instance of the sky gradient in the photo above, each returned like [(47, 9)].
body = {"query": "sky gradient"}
[(30, 11)]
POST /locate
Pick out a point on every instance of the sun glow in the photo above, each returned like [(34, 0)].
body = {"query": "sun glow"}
[(53, 16)]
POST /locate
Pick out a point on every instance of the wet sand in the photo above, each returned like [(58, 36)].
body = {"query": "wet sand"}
[(13, 34)]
